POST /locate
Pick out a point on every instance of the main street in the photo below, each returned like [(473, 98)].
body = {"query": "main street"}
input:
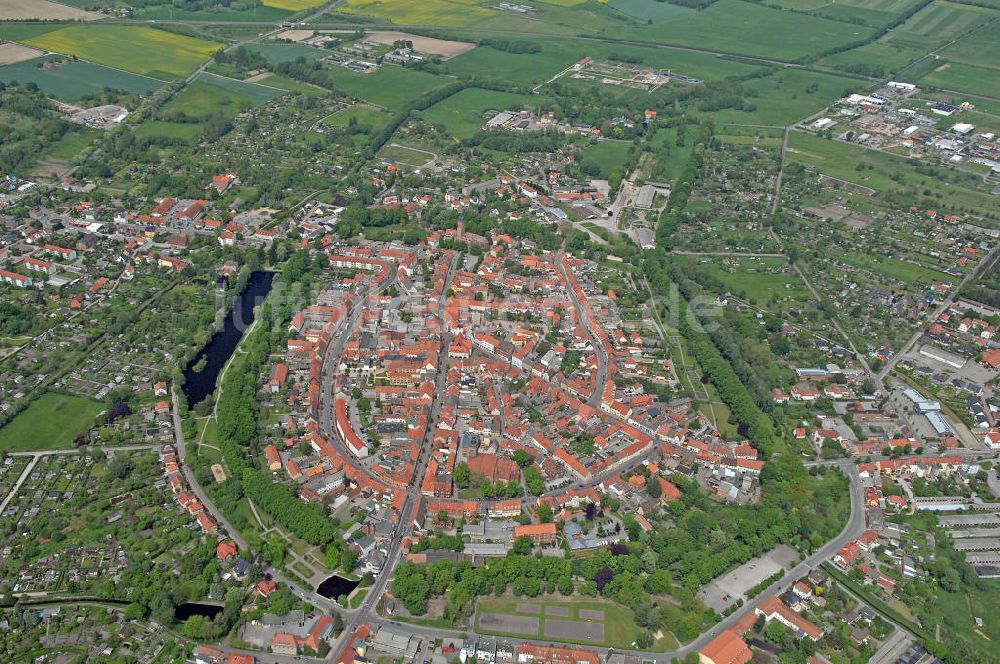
[(584, 320)]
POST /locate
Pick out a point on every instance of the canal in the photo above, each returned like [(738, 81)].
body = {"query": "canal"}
[(199, 384)]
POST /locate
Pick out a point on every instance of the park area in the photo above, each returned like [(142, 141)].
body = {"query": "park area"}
[(139, 49), (592, 622), (50, 422)]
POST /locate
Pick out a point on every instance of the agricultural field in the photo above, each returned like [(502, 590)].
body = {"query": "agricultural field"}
[(787, 96), (943, 21), (73, 80), (51, 422), (279, 53), (964, 78), (733, 26), (292, 85), (11, 53), (427, 12), (876, 13), (461, 115), (138, 49), (293, 5), (42, 10), (650, 9), (258, 94), (391, 87), (882, 57), (262, 13), (443, 48)]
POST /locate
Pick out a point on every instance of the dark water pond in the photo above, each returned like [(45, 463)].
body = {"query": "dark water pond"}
[(215, 354), (335, 586)]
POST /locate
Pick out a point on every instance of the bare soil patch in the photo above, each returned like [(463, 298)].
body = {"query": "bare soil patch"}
[(573, 630), (257, 77), (496, 622), (442, 48), (561, 611), (11, 53), (295, 35), (23, 10)]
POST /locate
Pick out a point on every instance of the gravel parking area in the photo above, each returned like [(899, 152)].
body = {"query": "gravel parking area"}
[(495, 622), (574, 630)]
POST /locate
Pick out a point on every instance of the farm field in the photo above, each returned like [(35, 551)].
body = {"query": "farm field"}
[(279, 53), (258, 13), (558, 54), (943, 21), (292, 85), (650, 9), (445, 49), (74, 80), (11, 53), (788, 96), (42, 10), (259, 94), (426, 12), (980, 48), (884, 56), (391, 87), (162, 129), (292, 5), (462, 114), (952, 189), (964, 78), (138, 49), (50, 422), (733, 26)]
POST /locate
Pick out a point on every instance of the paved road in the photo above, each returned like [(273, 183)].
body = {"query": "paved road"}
[(20, 480), (584, 320)]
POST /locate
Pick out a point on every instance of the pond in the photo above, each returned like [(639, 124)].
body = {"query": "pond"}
[(188, 609), (335, 586), (202, 372)]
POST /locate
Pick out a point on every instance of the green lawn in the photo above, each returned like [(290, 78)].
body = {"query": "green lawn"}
[(138, 49), (258, 94), (277, 53), (759, 280), (366, 117), (608, 155), (292, 85), (50, 422)]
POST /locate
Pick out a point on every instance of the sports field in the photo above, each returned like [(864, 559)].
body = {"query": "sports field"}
[(139, 49), (50, 422), (462, 114), (74, 80)]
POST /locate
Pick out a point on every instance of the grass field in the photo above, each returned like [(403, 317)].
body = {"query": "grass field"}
[(890, 53), (366, 117), (788, 96), (981, 47), (278, 53), (390, 86), (558, 54), (293, 5), (733, 26), (50, 422), (292, 85), (887, 173), (259, 13), (77, 79), (965, 78), (650, 9), (400, 154), (609, 155), (425, 12), (759, 280), (944, 21), (162, 129), (138, 49), (462, 114), (258, 94)]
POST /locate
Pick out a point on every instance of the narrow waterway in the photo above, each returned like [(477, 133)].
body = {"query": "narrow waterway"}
[(215, 354)]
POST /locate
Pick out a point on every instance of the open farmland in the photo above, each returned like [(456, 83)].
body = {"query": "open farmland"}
[(390, 86), (279, 53), (42, 10), (51, 422), (650, 9), (733, 26), (138, 49), (11, 53), (801, 93), (426, 12), (74, 80), (964, 78), (462, 114), (442, 48), (293, 5)]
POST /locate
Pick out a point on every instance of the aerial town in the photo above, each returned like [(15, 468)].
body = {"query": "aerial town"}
[(459, 332)]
